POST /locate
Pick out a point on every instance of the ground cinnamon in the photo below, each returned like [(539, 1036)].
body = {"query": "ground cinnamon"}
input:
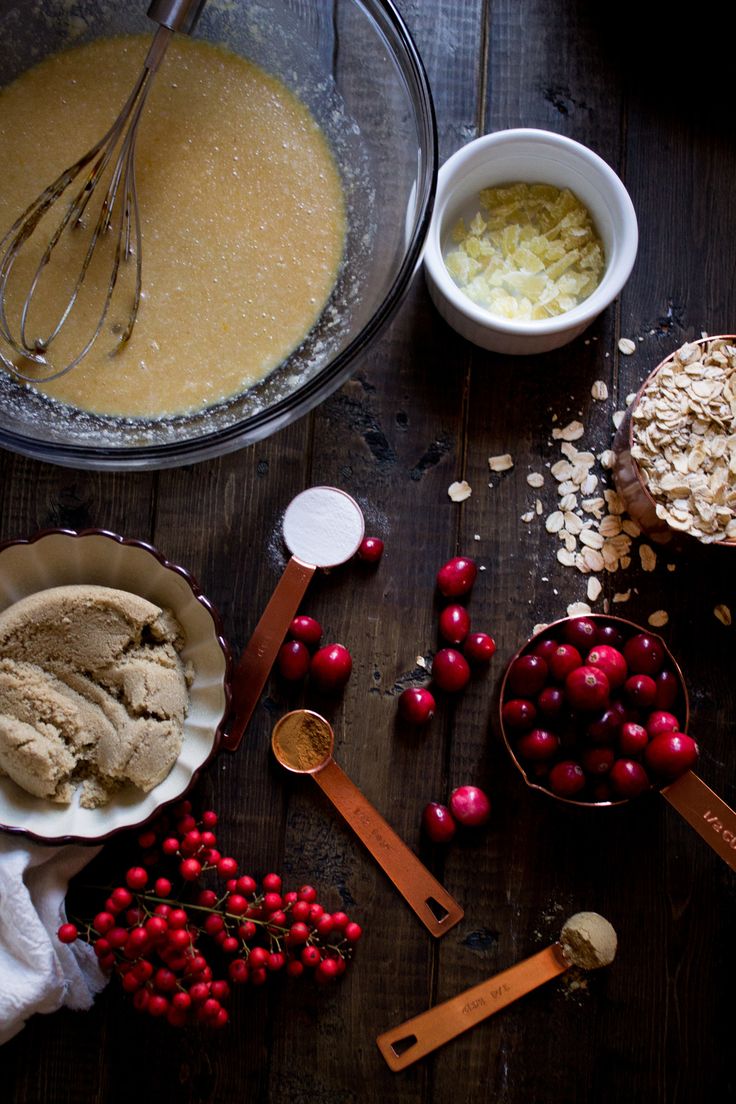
[(302, 740)]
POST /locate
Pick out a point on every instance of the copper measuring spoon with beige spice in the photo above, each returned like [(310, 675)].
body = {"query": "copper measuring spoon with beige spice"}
[(587, 941), (303, 742)]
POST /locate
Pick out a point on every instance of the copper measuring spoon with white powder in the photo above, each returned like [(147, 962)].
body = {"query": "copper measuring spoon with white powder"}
[(303, 743), (322, 528), (587, 941)]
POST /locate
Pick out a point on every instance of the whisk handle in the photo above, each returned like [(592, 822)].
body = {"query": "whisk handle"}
[(177, 15)]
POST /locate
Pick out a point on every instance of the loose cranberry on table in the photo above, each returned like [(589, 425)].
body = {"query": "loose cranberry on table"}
[(456, 577), (454, 624), (479, 648), (370, 549), (470, 806), (416, 705), (306, 629), (331, 667), (438, 822), (450, 670), (293, 660)]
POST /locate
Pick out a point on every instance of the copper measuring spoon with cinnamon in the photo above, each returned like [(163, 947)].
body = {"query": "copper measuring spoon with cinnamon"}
[(322, 528), (303, 742)]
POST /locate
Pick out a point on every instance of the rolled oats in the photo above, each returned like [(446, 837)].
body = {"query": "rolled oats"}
[(658, 618), (723, 613), (459, 491), (500, 463)]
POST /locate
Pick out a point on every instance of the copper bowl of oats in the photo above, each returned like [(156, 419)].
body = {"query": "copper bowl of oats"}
[(675, 465)]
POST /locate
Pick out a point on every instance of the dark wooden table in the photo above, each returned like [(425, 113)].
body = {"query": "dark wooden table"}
[(423, 409)]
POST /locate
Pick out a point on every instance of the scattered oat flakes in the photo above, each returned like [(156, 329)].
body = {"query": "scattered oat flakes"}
[(421, 661), (555, 522), (618, 417), (648, 557), (539, 628), (538, 507), (566, 557), (599, 390), (607, 459), (500, 463), (573, 431), (594, 589), (658, 618), (528, 516), (671, 567), (535, 479), (458, 492), (723, 613), (476, 536), (630, 398), (626, 346), (622, 596), (578, 609)]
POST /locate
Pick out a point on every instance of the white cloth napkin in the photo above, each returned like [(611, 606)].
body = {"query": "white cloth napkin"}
[(37, 972)]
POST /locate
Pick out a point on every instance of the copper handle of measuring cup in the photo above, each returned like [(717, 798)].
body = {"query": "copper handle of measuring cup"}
[(412, 1040), (263, 647), (704, 811), (434, 906)]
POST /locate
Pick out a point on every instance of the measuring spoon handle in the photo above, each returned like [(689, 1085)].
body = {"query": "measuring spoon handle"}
[(434, 906), (706, 813), (404, 1045), (263, 647)]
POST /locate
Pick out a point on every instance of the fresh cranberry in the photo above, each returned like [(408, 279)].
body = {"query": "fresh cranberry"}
[(293, 660), (610, 661), (587, 689), (331, 667), (644, 654), (416, 705), (450, 670), (438, 823), (454, 624), (609, 634), (668, 689), (306, 629), (597, 760), (661, 721), (671, 754), (632, 739), (479, 647), (580, 631), (640, 691), (538, 745), (628, 778), (456, 577), (527, 675), (470, 806), (604, 729), (566, 778), (136, 877), (67, 933), (563, 660), (519, 714), (601, 791), (551, 701), (545, 648), (370, 549)]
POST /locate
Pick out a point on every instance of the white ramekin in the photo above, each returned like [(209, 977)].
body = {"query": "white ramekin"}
[(533, 156)]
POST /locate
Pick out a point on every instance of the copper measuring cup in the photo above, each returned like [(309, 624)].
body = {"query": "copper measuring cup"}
[(703, 809), (639, 503), (332, 536), (303, 742)]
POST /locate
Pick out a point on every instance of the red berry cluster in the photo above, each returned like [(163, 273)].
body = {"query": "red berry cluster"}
[(329, 666), (469, 807), (165, 949), (450, 667), (599, 728)]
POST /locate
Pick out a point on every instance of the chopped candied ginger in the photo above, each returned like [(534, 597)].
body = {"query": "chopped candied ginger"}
[(532, 253)]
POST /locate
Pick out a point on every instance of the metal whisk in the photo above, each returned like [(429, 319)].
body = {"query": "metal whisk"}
[(118, 213)]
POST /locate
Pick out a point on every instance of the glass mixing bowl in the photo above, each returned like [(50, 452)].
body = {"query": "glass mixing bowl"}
[(356, 68)]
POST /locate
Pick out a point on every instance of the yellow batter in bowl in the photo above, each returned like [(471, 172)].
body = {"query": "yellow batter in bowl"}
[(242, 214)]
